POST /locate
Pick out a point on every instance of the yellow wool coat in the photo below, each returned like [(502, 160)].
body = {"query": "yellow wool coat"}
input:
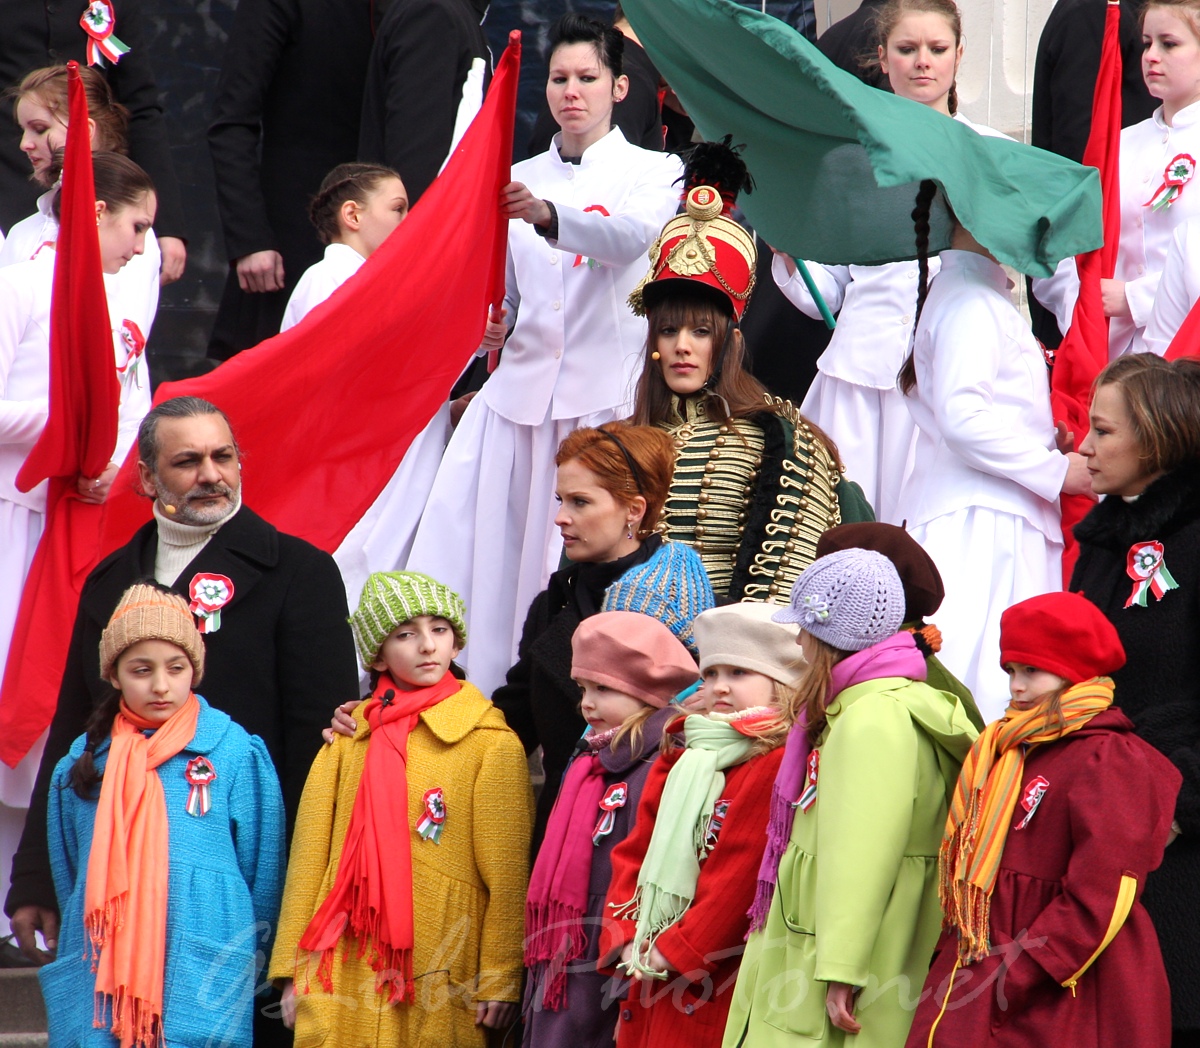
[(468, 889)]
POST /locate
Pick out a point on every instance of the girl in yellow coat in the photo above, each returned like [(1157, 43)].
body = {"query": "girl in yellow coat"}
[(403, 912)]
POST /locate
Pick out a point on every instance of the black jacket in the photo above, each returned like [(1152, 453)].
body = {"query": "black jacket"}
[(281, 660), (286, 113), (36, 33), (422, 54), (1064, 76), (846, 41), (1159, 687), (539, 699)]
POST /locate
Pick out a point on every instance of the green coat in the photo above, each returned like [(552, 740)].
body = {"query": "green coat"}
[(857, 899)]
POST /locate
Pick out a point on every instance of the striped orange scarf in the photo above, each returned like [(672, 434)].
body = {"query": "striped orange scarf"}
[(125, 897), (983, 804)]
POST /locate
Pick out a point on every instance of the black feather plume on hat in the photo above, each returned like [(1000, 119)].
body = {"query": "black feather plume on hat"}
[(720, 165)]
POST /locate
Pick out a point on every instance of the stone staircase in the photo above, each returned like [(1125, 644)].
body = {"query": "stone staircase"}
[(22, 1014)]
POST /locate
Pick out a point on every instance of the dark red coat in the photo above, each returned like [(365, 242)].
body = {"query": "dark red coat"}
[(704, 948), (1106, 810)]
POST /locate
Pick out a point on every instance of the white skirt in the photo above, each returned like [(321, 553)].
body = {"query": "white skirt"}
[(874, 432), (383, 538), (20, 530), (989, 561), (488, 528)]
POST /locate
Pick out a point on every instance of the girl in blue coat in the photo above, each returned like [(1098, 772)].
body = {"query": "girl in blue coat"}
[(166, 839)]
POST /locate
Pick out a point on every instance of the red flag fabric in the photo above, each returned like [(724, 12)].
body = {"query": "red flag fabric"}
[(80, 434), (1084, 350), (325, 411), (1186, 342)]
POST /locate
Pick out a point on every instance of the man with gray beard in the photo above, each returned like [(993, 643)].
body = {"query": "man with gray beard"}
[(279, 653)]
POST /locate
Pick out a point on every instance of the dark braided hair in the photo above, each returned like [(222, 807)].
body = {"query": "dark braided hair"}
[(345, 182), (920, 217)]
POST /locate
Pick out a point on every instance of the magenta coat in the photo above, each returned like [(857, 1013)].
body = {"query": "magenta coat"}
[(1102, 803)]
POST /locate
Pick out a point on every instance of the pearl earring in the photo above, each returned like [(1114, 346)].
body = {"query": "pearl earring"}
[(656, 355)]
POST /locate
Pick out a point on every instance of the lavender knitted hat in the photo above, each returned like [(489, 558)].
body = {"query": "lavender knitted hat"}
[(850, 599)]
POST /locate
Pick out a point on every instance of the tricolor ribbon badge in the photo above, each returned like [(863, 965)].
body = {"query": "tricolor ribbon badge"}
[(99, 21), (199, 774), (592, 263), (434, 820), (1178, 174), (209, 593), (1145, 566), (1032, 797), (809, 797), (614, 797), (134, 343), (715, 822)]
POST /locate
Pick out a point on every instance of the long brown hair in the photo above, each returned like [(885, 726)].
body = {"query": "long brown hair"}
[(733, 388), (812, 692), (920, 217)]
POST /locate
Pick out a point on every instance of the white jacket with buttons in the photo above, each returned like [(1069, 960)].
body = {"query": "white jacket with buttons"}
[(1146, 150), (575, 346)]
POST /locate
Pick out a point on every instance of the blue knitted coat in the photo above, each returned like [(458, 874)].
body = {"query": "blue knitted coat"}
[(224, 883)]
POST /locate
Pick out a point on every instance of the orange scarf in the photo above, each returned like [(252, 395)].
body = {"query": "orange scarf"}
[(125, 899), (983, 805), (372, 894)]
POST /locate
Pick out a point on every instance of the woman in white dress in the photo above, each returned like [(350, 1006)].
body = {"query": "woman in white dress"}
[(854, 397), (41, 112), (355, 210), (125, 205), (1159, 190), (982, 497), (584, 215)]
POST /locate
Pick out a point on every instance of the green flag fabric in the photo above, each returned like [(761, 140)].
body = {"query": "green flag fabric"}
[(836, 164)]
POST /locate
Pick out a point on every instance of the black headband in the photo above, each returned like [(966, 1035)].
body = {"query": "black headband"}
[(637, 475)]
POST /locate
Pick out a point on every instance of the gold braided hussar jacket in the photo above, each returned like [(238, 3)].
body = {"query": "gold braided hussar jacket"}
[(752, 496)]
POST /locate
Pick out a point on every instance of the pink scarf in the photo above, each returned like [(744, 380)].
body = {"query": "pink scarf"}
[(558, 890), (897, 656)]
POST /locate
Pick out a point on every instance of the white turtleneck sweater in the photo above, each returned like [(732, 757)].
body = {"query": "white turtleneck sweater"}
[(178, 544)]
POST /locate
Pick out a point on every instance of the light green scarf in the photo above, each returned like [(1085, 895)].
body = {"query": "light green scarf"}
[(666, 884)]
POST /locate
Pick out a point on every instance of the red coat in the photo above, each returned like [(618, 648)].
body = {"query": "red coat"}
[(705, 946), (1106, 807)]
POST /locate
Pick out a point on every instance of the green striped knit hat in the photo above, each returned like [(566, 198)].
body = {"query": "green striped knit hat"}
[(390, 598)]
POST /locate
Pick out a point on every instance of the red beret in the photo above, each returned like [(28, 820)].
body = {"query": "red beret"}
[(1064, 633)]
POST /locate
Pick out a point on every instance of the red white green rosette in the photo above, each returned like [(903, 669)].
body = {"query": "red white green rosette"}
[(433, 821), (199, 774), (99, 21), (1178, 174), (1144, 564), (209, 593), (134, 344), (614, 797)]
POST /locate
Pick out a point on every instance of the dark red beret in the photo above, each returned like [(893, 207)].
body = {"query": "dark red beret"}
[(1064, 633), (923, 589)]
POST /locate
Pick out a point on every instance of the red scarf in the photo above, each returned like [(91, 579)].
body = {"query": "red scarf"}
[(558, 890), (372, 896)]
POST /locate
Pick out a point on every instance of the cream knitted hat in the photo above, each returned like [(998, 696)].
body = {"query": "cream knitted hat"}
[(850, 599), (747, 636), (392, 597), (146, 612)]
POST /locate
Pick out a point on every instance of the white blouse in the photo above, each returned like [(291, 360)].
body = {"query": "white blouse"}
[(25, 291), (1147, 149), (982, 404), (339, 263), (575, 345)]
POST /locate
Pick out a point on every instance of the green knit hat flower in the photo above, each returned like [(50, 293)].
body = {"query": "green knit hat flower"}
[(392, 597)]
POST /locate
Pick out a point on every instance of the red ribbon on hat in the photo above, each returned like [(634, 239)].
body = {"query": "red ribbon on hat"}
[(99, 21)]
